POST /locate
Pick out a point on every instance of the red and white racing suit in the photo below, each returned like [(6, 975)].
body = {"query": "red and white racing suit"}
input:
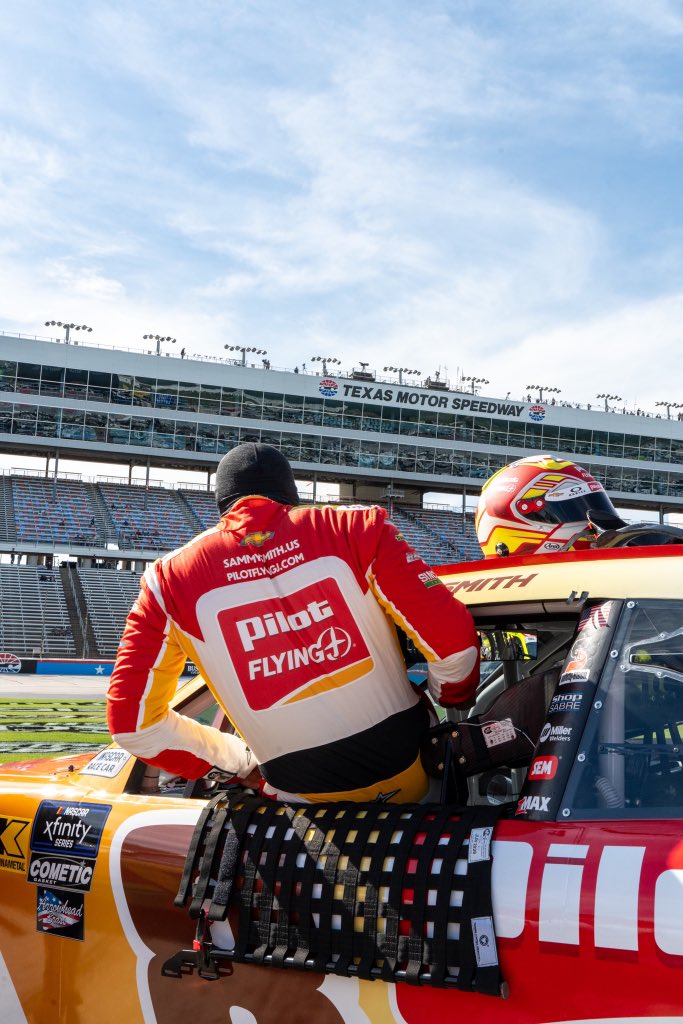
[(286, 612)]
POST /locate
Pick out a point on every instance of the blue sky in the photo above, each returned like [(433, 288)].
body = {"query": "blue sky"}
[(490, 186)]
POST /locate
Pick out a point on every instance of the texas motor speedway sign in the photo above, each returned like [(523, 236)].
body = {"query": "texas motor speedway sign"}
[(455, 403)]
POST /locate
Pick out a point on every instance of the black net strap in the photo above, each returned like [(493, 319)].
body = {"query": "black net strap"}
[(249, 935), (195, 849), (401, 892), (294, 931), (206, 865), (479, 966)]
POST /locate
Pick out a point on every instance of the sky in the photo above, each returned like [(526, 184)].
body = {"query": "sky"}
[(484, 187)]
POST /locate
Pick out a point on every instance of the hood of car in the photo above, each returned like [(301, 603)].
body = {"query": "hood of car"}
[(46, 768)]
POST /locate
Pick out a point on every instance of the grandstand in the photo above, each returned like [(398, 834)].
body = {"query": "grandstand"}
[(34, 617), (72, 546)]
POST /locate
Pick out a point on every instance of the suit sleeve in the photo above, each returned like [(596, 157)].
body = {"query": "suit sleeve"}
[(439, 625), (148, 666)]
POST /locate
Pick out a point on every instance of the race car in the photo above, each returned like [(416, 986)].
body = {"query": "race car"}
[(575, 743)]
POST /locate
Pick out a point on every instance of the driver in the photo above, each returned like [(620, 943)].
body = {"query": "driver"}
[(289, 613), (541, 505)]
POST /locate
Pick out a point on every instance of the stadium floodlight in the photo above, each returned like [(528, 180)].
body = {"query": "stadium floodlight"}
[(609, 398), (541, 388), (159, 338), (67, 328), (669, 406), (473, 381), (244, 349), (326, 361), (400, 370)]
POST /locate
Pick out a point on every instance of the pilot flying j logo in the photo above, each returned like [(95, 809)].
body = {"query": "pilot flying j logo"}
[(296, 646)]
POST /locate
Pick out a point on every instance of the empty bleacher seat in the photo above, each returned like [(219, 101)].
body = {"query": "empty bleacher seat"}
[(33, 612)]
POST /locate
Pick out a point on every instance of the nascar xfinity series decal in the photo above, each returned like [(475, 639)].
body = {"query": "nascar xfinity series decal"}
[(73, 828)]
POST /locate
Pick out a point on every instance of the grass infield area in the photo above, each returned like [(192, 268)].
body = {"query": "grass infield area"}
[(44, 727)]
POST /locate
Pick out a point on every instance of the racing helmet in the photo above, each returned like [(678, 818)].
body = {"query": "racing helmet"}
[(539, 505)]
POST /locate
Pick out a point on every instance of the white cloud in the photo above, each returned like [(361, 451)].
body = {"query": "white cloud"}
[(398, 181)]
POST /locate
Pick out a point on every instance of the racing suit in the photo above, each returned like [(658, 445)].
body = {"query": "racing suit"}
[(286, 612)]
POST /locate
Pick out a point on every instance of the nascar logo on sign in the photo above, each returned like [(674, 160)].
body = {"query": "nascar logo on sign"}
[(537, 413), (328, 387)]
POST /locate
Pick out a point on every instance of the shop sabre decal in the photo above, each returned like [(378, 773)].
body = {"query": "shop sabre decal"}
[(565, 702)]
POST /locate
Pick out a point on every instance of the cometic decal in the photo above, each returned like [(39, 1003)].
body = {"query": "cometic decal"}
[(67, 872)]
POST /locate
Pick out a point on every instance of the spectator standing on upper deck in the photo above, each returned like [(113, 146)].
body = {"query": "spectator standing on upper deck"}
[(287, 613)]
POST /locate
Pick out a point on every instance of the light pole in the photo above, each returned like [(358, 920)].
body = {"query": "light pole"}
[(669, 406), (541, 388), (67, 328), (474, 381), (326, 361), (400, 370), (159, 338), (244, 349), (609, 398)]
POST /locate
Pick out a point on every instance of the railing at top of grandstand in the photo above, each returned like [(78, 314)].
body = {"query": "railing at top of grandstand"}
[(62, 475), (123, 481)]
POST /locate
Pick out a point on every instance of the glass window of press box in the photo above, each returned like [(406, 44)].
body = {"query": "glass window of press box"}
[(429, 424)]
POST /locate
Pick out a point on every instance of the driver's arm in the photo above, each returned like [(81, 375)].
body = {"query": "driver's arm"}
[(148, 666)]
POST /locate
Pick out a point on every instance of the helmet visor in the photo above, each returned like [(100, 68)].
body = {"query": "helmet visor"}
[(576, 509)]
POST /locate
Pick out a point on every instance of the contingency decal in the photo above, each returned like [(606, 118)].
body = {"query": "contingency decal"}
[(107, 763), (14, 843), (73, 873), (60, 913), (73, 828), (568, 712)]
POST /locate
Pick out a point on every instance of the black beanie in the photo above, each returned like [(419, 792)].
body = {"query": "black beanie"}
[(254, 469)]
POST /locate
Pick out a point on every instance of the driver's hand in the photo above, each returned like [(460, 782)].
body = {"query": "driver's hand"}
[(253, 780)]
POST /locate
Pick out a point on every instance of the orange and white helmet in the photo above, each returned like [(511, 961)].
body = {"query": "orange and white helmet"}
[(539, 505)]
